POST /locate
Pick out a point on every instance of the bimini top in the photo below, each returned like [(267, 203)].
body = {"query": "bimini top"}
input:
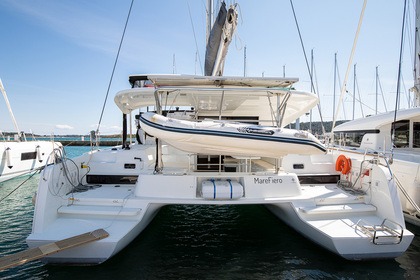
[(377, 121), (261, 97), (194, 80)]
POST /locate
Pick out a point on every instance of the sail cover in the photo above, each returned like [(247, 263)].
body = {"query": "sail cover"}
[(218, 42)]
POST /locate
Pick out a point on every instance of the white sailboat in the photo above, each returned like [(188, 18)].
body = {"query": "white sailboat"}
[(371, 138), (20, 157), (121, 189)]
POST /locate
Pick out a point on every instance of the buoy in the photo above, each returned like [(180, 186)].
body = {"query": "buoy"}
[(38, 153), (9, 157), (343, 164)]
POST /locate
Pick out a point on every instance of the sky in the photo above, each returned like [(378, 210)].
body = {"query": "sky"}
[(56, 57)]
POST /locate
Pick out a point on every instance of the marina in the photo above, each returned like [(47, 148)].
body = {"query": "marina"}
[(209, 179)]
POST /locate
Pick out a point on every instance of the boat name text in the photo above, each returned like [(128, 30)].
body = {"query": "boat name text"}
[(255, 130), (269, 180)]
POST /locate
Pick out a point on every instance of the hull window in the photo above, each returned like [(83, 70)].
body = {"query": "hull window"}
[(402, 134), (352, 138), (111, 179), (416, 135), (28, 156)]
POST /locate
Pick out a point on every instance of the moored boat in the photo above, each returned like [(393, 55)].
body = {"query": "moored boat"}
[(371, 139), (392, 139), (19, 156), (122, 189)]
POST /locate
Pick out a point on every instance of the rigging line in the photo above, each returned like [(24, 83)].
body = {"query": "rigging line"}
[(398, 82), (307, 65), (360, 99), (382, 93), (409, 28), (343, 89), (407, 94), (115, 65), (339, 83), (195, 38), (21, 184)]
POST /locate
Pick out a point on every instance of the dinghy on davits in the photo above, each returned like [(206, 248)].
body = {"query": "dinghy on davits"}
[(236, 139)]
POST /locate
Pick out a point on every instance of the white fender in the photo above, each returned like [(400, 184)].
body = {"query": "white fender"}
[(9, 158), (38, 153)]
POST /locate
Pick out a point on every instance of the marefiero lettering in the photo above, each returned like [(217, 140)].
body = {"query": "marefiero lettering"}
[(268, 180)]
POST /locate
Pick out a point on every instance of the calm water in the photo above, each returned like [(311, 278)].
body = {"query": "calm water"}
[(199, 242)]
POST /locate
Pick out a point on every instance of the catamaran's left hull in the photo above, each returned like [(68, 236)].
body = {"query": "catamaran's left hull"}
[(121, 233)]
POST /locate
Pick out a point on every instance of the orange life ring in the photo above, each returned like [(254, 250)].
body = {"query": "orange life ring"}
[(343, 164)]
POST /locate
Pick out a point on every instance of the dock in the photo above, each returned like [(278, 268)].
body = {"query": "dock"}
[(87, 143)]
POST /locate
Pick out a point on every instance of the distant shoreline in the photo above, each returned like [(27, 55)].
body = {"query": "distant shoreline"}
[(87, 143)]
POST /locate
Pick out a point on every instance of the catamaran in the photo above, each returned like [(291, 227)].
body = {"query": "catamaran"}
[(215, 140), (121, 189)]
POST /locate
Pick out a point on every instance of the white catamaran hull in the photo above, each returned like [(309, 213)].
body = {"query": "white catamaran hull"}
[(370, 139), (337, 220)]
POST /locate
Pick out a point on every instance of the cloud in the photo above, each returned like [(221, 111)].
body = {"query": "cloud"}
[(64, 126), (107, 129)]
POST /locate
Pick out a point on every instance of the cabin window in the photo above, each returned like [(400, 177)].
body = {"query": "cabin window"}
[(28, 156), (402, 134), (351, 138), (416, 135)]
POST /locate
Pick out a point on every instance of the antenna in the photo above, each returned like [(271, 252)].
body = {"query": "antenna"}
[(173, 64), (245, 61)]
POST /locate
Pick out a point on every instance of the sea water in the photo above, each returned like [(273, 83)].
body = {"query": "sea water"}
[(198, 242)]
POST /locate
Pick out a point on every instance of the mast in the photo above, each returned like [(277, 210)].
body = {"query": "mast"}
[(209, 19), (335, 75), (312, 87), (416, 88), (220, 36), (344, 87), (354, 90), (376, 90), (380, 88), (3, 91), (245, 61)]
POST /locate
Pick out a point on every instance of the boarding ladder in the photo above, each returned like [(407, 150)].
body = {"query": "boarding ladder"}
[(387, 233)]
